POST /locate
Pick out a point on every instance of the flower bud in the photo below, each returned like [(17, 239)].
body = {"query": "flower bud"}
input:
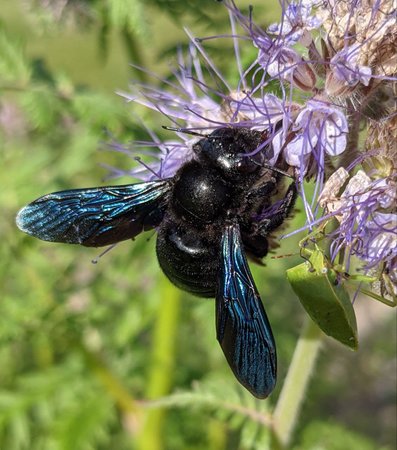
[(335, 86), (304, 77)]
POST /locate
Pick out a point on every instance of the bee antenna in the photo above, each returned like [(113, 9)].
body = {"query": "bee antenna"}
[(96, 260), (274, 169), (183, 130)]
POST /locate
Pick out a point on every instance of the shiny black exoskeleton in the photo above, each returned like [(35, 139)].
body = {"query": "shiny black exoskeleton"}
[(218, 207), (223, 185)]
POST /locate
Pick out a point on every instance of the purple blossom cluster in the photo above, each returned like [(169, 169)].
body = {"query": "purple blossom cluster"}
[(316, 74), (367, 222)]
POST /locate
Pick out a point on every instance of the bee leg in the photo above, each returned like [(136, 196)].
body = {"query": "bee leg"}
[(263, 190), (258, 199), (269, 224), (255, 245), (255, 239)]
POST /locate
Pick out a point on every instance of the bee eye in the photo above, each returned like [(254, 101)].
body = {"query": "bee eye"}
[(246, 165)]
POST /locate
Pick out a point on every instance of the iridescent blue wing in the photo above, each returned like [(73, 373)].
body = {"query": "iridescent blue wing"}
[(96, 216), (243, 329)]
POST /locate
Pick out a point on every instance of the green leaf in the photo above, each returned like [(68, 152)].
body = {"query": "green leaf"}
[(326, 302), (42, 106), (332, 436), (13, 65), (127, 14), (231, 404), (96, 109), (85, 424)]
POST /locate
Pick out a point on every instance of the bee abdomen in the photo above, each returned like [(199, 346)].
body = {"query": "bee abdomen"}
[(188, 260)]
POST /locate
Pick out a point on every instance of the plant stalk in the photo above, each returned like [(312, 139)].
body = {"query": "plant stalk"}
[(293, 391), (162, 366)]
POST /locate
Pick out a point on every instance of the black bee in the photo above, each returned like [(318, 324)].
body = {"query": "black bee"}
[(207, 220)]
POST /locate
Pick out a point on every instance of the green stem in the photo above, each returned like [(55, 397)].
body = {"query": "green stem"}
[(162, 365), (294, 388)]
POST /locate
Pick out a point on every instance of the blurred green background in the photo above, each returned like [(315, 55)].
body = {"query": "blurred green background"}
[(87, 350)]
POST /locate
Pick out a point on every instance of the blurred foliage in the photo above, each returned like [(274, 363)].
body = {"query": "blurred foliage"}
[(111, 355)]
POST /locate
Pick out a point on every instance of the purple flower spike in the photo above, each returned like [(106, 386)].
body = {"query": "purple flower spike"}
[(319, 128), (380, 242), (256, 112), (365, 230), (346, 72), (284, 63), (162, 158), (280, 63), (297, 24), (188, 101)]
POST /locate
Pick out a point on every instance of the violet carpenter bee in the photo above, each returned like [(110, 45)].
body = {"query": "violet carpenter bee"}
[(207, 221)]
